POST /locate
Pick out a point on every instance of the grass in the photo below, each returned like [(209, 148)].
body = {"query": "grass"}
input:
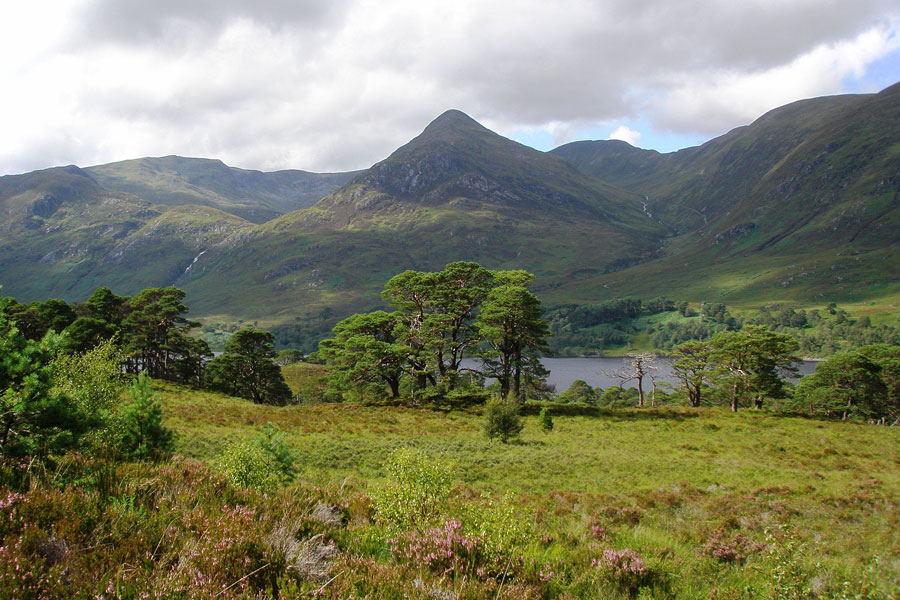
[(641, 450), (612, 504), (684, 473), (305, 380)]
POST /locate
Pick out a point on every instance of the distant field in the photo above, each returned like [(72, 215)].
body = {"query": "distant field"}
[(686, 473)]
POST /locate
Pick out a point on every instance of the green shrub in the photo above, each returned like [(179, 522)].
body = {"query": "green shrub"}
[(616, 397), (92, 379), (142, 434), (417, 493), (265, 461), (580, 391), (504, 528), (35, 420), (245, 465), (545, 420), (501, 419), (279, 455)]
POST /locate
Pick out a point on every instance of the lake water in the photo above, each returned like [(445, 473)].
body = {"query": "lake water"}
[(598, 372)]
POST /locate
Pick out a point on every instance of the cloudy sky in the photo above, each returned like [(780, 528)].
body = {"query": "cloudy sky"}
[(333, 85)]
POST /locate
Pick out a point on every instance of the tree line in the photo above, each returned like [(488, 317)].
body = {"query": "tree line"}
[(748, 367), (153, 335), (467, 311)]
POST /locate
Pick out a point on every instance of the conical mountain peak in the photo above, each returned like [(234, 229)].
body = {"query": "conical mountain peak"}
[(453, 118), (452, 125)]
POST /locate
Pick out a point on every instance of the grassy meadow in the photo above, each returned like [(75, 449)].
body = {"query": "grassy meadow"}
[(716, 505)]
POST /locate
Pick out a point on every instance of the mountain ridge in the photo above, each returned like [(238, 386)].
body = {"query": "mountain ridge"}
[(797, 206), (256, 196)]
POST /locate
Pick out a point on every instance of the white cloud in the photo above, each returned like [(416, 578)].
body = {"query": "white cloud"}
[(625, 134), (716, 102), (326, 85)]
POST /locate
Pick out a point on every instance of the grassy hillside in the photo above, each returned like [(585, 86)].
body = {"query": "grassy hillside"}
[(673, 485), (65, 235), (800, 206)]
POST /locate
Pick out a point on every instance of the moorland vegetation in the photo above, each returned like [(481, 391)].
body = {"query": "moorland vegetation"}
[(369, 474)]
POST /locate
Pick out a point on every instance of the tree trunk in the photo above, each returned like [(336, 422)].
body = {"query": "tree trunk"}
[(734, 398), (849, 408), (504, 386), (694, 397), (517, 377), (394, 383)]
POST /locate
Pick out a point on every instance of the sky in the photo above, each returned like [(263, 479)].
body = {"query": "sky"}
[(337, 85)]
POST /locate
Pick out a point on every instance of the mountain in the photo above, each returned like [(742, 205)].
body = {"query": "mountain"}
[(252, 195), (65, 235), (801, 205), (456, 192)]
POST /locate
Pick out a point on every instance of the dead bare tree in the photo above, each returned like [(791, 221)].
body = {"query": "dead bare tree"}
[(636, 368)]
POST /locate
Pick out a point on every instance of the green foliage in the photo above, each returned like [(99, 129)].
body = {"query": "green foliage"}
[(417, 493), (847, 385), (440, 317), (590, 328), (35, 422), (92, 379), (826, 332), (618, 397), (435, 313), (749, 361), (501, 418), (887, 358), (694, 369), (142, 434), (288, 356), (150, 327), (34, 320), (581, 392), (247, 369), (545, 420), (674, 333), (510, 323), (281, 458), (365, 354), (155, 331), (504, 527), (265, 462), (94, 382), (86, 332), (746, 365)]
